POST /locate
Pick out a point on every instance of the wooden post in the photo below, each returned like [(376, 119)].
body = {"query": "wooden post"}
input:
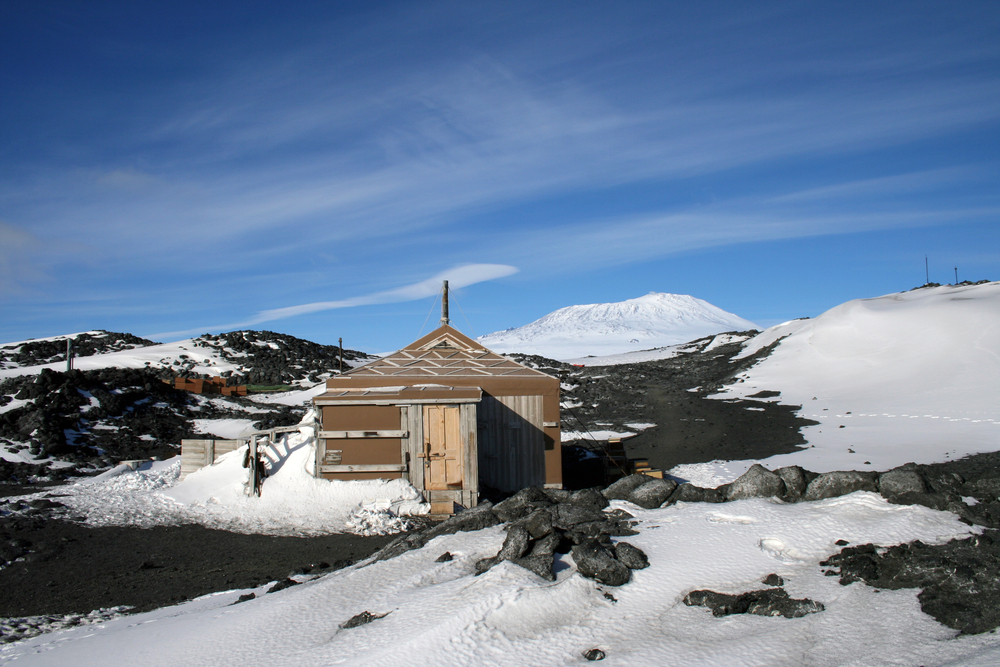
[(254, 483)]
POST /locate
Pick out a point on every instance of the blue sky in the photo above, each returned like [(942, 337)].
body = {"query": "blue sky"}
[(175, 168)]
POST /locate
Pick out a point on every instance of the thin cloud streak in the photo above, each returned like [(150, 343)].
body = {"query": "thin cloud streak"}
[(458, 277)]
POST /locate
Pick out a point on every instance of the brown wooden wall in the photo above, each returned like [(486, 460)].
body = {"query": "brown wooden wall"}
[(361, 451), (511, 442)]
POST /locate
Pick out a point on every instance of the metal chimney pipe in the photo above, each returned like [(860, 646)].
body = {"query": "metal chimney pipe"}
[(444, 305)]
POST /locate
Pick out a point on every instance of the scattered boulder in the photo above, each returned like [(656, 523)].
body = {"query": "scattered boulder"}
[(282, 585), (621, 489), (631, 556), (522, 503), (568, 515), (363, 618), (796, 480), (594, 561), (757, 482), (594, 654), (653, 493), (840, 483), (516, 543), (772, 580), (897, 482), (689, 493), (768, 602), (538, 524), (589, 498)]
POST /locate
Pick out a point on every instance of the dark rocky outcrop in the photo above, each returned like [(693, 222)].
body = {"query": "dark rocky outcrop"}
[(767, 602), (960, 580)]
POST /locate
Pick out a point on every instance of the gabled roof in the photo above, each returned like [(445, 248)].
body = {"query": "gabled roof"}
[(444, 352)]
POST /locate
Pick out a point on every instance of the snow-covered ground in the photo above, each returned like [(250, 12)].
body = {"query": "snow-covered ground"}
[(441, 614), (652, 321), (911, 377)]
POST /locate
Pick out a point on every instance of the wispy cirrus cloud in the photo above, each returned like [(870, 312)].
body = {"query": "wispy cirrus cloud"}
[(457, 277)]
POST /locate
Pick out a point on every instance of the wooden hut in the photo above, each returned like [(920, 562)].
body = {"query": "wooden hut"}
[(445, 413)]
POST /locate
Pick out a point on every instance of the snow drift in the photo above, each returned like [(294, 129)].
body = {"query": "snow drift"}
[(292, 502), (897, 378)]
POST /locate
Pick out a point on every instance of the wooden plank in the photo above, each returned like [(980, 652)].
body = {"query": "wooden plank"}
[(470, 438), (368, 467), (343, 435)]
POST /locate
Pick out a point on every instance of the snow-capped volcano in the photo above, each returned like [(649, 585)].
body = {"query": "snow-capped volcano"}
[(654, 320)]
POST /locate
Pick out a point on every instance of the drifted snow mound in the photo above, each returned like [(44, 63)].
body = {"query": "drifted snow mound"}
[(654, 320), (902, 377), (292, 501)]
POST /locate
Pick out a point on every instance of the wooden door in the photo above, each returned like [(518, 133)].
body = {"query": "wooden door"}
[(443, 448)]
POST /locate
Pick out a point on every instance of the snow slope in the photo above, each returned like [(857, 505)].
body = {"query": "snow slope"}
[(651, 321), (903, 377)]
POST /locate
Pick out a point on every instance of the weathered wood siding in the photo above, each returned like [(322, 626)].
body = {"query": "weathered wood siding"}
[(511, 442), (361, 453), (196, 454)]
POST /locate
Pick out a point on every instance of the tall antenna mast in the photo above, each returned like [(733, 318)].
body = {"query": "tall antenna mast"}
[(444, 305), (927, 271)]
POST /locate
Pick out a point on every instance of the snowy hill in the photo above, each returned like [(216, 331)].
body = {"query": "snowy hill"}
[(113, 406), (251, 357), (651, 321), (52, 350), (902, 377)]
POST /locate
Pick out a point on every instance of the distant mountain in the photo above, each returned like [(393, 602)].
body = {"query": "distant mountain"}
[(655, 320)]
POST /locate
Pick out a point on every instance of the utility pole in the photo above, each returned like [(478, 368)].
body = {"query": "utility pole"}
[(956, 275), (341, 342), (444, 305)]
